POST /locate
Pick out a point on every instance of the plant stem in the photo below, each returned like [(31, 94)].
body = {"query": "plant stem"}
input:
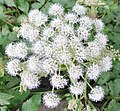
[(10, 11), (87, 82), (7, 23), (83, 64)]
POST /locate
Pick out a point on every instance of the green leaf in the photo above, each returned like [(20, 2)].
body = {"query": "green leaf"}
[(5, 30), (45, 8), (23, 5), (12, 36), (18, 97), (66, 3), (4, 102), (4, 41), (2, 15), (41, 1), (36, 5), (114, 87), (113, 106), (4, 108), (32, 104), (10, 3), (104, 78), (5, 96)]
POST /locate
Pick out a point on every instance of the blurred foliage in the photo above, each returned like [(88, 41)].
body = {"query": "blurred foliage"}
[(12, 11)]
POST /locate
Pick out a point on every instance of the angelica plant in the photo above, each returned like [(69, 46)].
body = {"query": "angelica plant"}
[(72, 41)]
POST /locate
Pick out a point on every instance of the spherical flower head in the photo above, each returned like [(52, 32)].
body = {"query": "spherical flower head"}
[(60, 41), (14, 67), (96, 94), (86, 22), (80, 52), (37, 18), (71, 18), (34, 64), (93, 50), (48, 32), (56, 23), (79, 9), (75, 72), (105, 64), (48, 50), (93, 72), (21, 50), (29, 32), (62, 56), (50, 66), (56, 9), (10, 50), (30, 79), (77, 88), (38, 48), (101, 40), (67, 30), (58, 81), (99, 25), (83, 33), (51, 100), (73, 40)]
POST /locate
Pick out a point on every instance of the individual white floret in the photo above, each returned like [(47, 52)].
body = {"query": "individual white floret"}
[(93, 50), (56, 9), (58, 81), (30, 79), (96, 94), (37, 18), (51, 100), (48, 32), (10, 50), (50, 66), (34, 64), (56, 23), (67, 30), (21, 50), (86, 22), (71, 18), (79, 9), (83, 33), (99, 25), (29, 32), (38, 48), (105, 64), (77, 88), (62, 56), (101, 40), (93, 72), (14, 67), (75, 72)]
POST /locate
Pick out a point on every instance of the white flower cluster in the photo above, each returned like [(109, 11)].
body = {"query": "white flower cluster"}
[(48, 43)]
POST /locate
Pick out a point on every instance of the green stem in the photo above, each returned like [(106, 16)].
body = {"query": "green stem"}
[(85, 93), (83, 64), (10, 11), (7, 23), (87, 82)]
